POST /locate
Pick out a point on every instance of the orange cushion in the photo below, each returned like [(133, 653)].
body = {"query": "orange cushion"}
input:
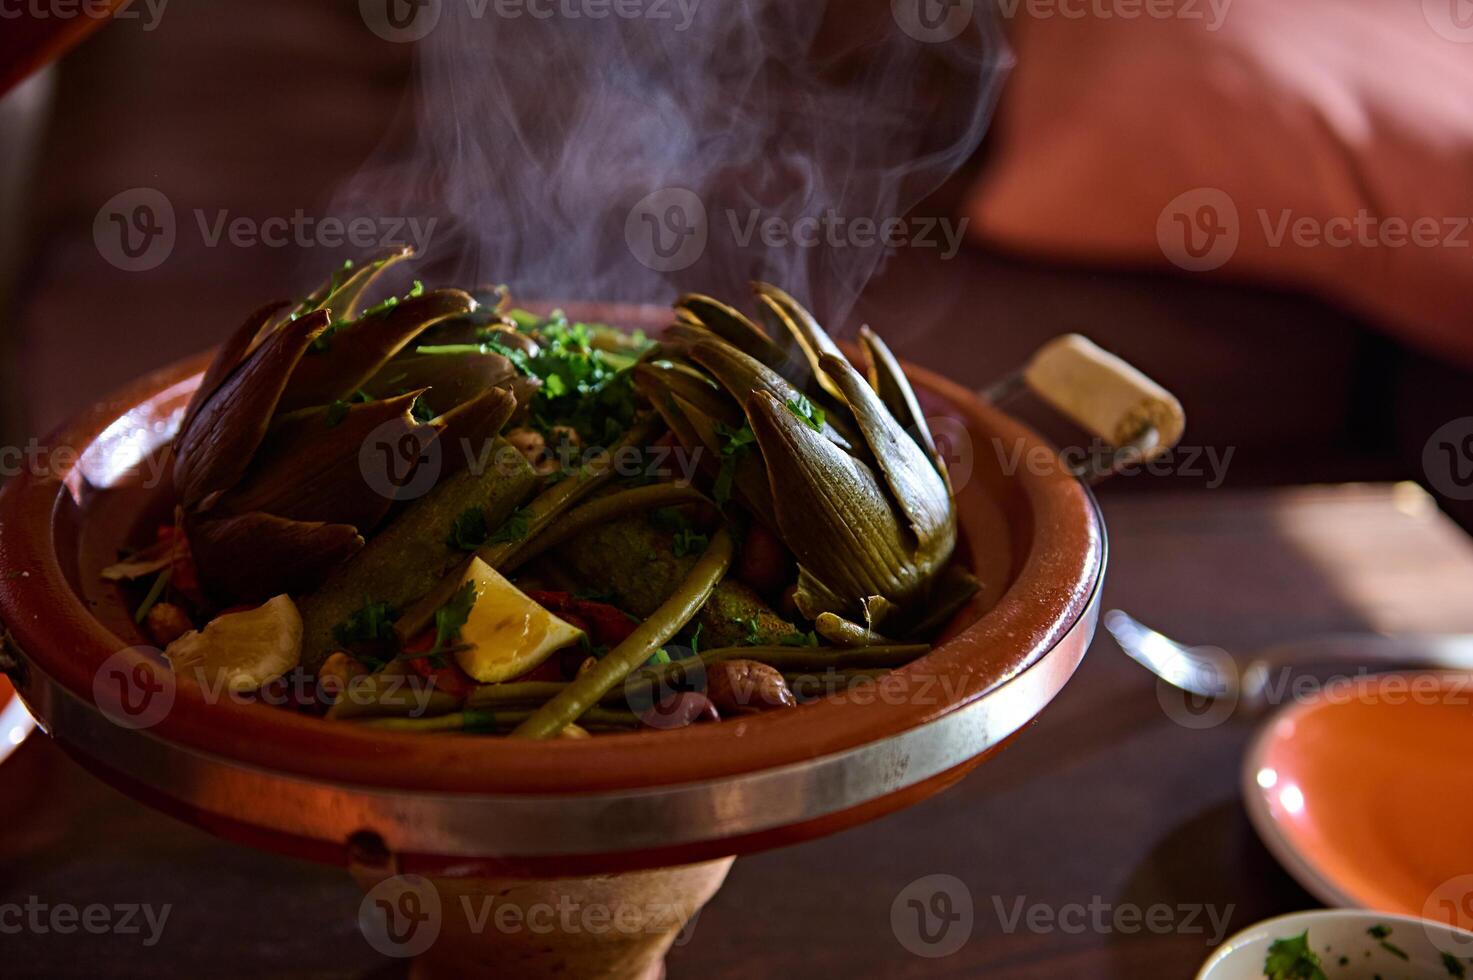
[(1322, 144)]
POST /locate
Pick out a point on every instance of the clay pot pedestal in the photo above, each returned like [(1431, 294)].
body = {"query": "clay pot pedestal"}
[(617, 926)]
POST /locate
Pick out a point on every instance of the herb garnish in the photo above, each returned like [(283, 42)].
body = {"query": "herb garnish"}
[(1452, 966), (372, 624), (798, 639), (469, 531), (323, 340), (450, 617), (1292, 959), (808, 413), (736, 442), (515, 529)]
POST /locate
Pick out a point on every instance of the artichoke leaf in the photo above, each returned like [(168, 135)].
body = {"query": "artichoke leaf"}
[(229, 357), (916, 486), (215, 449), (309, 468), (741, 374), (730, 325), (343, 294), (891, 384), (812, 339), (468, 431), (833, 514), (357, 350), (254, 556)]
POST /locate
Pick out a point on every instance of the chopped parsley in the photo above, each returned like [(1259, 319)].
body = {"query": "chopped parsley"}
[(736, 442), (1378, 931), (450, 617), (1453, 967), (583, 387), (807, 413), (515, 529), (324, 340), (336, 412), (1292, 959), (798, 639), (469, 531), (754, 630), (372, 624)]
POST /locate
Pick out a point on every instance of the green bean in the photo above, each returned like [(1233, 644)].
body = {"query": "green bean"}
[(556, 499), (491, 696), (585, 691), (598, 512)]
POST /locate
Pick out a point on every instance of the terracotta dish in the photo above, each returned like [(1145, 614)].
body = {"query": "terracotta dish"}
[(479, 810)]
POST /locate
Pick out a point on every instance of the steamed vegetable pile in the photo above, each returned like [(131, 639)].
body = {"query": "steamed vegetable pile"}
[(451, 515)]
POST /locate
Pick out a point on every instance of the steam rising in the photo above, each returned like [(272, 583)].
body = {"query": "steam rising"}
[(535, 137)]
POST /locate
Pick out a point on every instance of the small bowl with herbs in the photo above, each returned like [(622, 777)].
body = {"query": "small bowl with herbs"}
[(1343, 944)]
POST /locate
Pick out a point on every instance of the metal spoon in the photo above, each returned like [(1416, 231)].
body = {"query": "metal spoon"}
[(1212, 672)]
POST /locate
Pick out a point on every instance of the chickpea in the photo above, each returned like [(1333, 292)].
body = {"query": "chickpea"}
[(166, 622), (529, 443)]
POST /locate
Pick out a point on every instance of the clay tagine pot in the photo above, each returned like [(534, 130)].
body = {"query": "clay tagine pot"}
[(578, 857)]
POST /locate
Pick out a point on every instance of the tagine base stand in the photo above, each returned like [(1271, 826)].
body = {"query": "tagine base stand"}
[(609, 927)]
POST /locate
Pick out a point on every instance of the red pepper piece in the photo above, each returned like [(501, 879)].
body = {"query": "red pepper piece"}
[(448, 677)]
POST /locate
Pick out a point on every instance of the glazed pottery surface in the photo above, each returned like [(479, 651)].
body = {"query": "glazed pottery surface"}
[(306, 786), (1361, 792)]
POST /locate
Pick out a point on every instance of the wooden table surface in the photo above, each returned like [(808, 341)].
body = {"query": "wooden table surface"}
[(1103, 809)]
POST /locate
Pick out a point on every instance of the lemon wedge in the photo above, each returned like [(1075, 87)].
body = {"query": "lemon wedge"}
[(240, 651), (507, 633)]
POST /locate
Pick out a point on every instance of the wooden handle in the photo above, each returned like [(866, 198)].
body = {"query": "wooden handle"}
[(1103, 394)]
